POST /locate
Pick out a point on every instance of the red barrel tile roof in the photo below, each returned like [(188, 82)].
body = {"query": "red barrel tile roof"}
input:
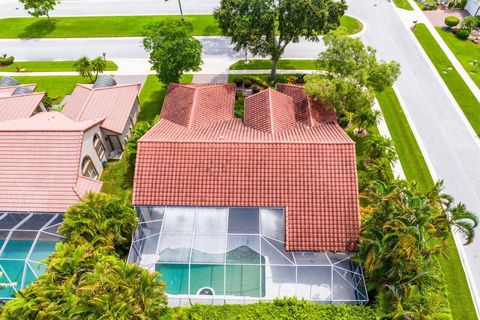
[(308, 170), (112, 103)]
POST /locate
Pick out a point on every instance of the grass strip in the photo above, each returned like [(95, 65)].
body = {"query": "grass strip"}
[(403, 4), (116, 26), (284, 64), (56, 86), (459, 89), (49, 66), (466, 52), (416, 169)]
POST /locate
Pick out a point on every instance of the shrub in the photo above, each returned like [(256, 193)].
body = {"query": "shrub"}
[(247, 83), (451, 21), (463, 34), (102, 220), (6, 61), (286, 309), (255, 89), (469, 23), (238, 81)]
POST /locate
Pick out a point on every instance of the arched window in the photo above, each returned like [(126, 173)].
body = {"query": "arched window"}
[(88, 169), (99, 148)]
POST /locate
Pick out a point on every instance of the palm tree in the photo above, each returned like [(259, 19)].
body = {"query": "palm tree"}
[(101, 219), (84, 67), (364, 119), (98, 66)]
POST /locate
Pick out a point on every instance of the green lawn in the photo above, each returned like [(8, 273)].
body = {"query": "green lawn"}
[(465, 51), (116, 178), (462, 94), (116, 26), (49, 66), (55, 86), (403, 4), (416, 169), (285, 64)]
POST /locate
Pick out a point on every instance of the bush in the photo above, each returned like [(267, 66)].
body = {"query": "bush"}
[(6, 61), (463, 34), (285, 309), (451, 21), (469, 23), (247, 83), (238, 81), (255, 89)]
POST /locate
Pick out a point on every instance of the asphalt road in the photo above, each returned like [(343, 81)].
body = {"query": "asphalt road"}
[(12, 8), (451, 147)]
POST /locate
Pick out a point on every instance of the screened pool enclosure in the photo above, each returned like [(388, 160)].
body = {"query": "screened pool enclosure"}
[(26, 240), (237, 255)]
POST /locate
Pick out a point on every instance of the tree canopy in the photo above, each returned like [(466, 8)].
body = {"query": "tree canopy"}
[(266, 27), (351, 77), (172, 50), (38, 8)]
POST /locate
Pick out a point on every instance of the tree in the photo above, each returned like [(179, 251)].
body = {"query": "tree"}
[(38, 8), (351, 78), (172, 50), (101, 219), (90, 68), (266, 27), (140, 129)]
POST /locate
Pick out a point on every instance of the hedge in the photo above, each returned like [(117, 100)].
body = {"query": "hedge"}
[(284, 309)]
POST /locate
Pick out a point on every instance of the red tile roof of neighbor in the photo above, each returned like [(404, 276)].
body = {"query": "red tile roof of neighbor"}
[(266, 161), (112, 103), (39, 163), (20, 106)]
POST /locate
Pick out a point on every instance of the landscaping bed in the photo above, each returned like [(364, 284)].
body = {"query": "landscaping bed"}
[(116, 26), (48, 66)]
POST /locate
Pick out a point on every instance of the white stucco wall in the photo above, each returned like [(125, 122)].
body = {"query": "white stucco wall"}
[(473, 7), (89, 150)]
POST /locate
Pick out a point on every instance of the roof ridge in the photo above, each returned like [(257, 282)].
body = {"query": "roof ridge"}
[(77, 119), (23, 95), (121, 85), (192, 112), (270, 102)]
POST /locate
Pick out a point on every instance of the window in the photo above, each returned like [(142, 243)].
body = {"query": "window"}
[(88, 169), (99, 148)]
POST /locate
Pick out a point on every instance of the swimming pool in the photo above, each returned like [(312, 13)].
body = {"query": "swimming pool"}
[(14, 263)]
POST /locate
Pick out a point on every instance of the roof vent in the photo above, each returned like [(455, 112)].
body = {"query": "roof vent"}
[(8, 82), (21, 90), (104, 81)]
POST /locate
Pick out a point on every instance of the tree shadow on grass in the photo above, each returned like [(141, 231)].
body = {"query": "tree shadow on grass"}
[(39, 29)]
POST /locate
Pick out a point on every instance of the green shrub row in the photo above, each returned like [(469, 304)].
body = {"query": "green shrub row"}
[(6, 61), (285, 309)]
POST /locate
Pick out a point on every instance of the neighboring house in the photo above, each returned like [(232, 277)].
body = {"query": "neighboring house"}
[(19, 102), (473, 7), (47, 163), (240, 210), (118, 104)]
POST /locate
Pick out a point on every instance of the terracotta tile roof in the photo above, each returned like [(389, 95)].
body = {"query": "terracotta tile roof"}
[(309, 170), (7, 91), (19, 106), (194, 105), (114, 104), (307, 111), (270, 111), (39, 166)]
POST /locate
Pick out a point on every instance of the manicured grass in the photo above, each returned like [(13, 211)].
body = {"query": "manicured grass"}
[(116, 177), (49, 66), (462, 94), (350, 25), (285, 64), (465, 51), (403, 4), (116, 26), (55, 86), (416, 169)]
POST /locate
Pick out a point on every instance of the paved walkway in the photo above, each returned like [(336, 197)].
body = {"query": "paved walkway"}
[(437, 17)]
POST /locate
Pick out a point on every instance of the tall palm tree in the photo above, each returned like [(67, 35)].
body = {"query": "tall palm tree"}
[(377, 146)]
